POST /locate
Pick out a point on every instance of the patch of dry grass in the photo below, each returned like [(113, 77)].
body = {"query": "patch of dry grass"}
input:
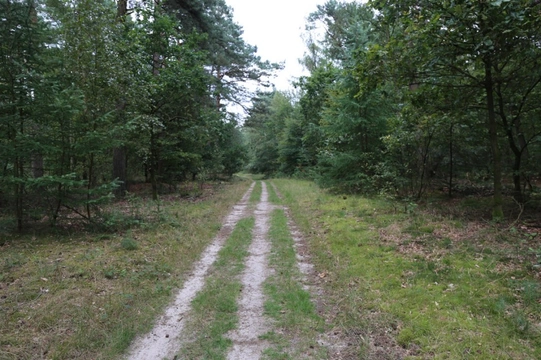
[(86, 296)]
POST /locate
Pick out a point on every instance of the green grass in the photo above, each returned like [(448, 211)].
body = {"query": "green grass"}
[(435, 288), (252, 177), (215, 308), (296, 322), (85, 296), (256, 193), (273, 197)]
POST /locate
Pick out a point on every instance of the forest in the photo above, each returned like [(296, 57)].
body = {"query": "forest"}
[(411, 97), (96, 95), (402, 99), (159, 195)]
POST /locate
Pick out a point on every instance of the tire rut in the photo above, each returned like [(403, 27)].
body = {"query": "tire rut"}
[(252, 324), (163, 340), (166, 338)]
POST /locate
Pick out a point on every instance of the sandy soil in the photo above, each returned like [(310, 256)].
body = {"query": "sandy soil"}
[(252, 324), (163, 341), (166, 338)]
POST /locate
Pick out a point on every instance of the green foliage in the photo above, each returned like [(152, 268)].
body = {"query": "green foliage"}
[(406, 98), (22, 36), (92, 98), (473, 56), (263, 128)]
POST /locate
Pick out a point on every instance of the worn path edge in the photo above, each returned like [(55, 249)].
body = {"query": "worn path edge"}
[(252, 323), (163, 340)]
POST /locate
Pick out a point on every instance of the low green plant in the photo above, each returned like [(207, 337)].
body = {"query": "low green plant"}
[(110, 273), (273, 196), (256, 193)]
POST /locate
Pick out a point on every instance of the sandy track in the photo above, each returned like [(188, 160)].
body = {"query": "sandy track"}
[(166, 338), (252, 324), (163, 340)]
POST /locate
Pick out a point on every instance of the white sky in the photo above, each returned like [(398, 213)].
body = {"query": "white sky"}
[(275, 27)]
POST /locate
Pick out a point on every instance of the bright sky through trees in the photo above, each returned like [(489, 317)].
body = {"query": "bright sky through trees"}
[(275, 27)]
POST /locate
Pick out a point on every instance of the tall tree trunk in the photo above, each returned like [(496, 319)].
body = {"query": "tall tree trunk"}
[(119, 152), (153, 165), (497, 210), (426, 152), (37, 166), (451, 160), (89, 186), (121, 9), (517, 178), (219, 76), (517, 150), (119, 170), (19, 176), (520, 154), (19, 192), (156, 64), (154, 184)]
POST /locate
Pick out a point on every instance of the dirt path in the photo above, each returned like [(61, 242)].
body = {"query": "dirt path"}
[(166, 338), (246, 343), (163, 341)]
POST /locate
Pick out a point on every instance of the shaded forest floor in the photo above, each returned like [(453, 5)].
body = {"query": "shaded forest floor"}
[(355, 277)]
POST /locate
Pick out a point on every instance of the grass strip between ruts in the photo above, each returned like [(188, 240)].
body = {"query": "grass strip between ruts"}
[(256, 193), (215, 308), (297, 323), (273, 197)]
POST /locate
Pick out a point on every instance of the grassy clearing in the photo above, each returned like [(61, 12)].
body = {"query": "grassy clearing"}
[(252, 177), (85, 296), (411, 282), (296, 321), (215, 307)]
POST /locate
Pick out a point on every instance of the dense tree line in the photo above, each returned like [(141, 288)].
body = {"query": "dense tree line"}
[(406, 95), (94, 94)]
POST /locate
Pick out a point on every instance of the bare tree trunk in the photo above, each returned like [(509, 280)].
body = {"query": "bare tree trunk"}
[(119, 152), (37, 166), (89, 186), (122, 9), (153, 165), (451, 160), (219, 76), (19, 192), (497, 210), (119, 170), (19, 174)]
